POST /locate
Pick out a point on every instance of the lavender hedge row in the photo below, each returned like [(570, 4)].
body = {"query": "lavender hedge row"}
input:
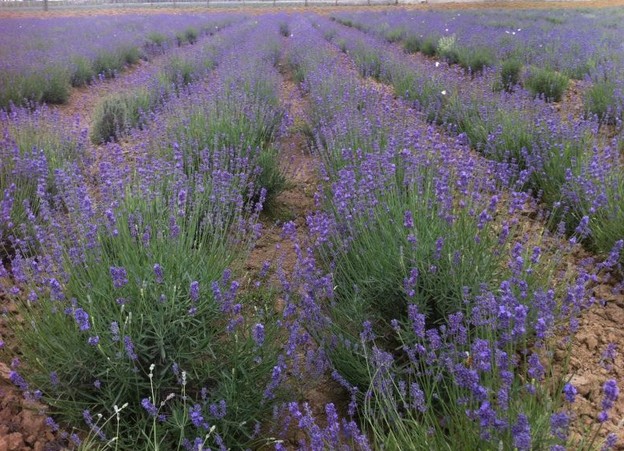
[(580, 44), (421, 302), (552, 155), (134, 328), (117, 114), (44, 58)]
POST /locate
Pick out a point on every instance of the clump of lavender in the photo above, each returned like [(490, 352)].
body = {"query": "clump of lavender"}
[(418, 303), (141, 278)]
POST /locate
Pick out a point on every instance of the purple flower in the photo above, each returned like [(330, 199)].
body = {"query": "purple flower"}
[(609, 442), (611, 393), (417, 320), (149, 407), (56, 291), (53, 425), (86, 415), (197, 418), (408, 220), (75, 439), (114, 328), (17, 379), (583, 229), (559, 424), (158, 273), (130, 348), (417, 396), (54, 379), (367, 333), (258, 334), (610, 353), (521, 432), (218, 411), (603, 416), (82, 319), (570, 392), (93, 341), (481, 355), (439, 246), (536, 370), (119, 276), (194, 291)]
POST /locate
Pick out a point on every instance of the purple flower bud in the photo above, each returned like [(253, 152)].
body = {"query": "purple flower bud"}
[(130, 348), (194, 291), (158, 273), (408, 220), (54, 379), (119, 276), (114, 328), (82, 319), (258, 334), (197, 418), (521, 432), (149, 407), (570, 392), (611, 393), (583, 229), (53, 425), (609, 442), (559, 424), (367, 333)]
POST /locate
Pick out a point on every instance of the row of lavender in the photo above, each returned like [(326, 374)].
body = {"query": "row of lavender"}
[(563, 161), (434, 313), (132, 325), (584, 45), (145, 91), (42, 59)]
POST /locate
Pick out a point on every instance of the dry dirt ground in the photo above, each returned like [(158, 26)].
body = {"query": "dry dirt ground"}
[(597, 350)]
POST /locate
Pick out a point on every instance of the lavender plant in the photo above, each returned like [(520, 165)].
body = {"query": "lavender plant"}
[(546, 83), (435, 354), (34, 146), (148, 315), (601, 101)]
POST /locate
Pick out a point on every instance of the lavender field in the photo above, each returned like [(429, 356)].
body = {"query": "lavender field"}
[(359, 230)]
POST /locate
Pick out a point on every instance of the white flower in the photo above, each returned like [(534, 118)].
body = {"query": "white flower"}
[(443, 92)]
